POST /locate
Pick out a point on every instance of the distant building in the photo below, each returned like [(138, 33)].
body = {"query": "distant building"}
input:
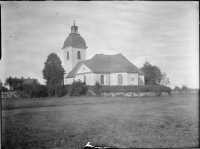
[(28, 80), (106, 69)]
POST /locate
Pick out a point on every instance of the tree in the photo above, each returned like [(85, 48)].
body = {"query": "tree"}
[(8, 81), (14, 83), (177, 89), (53, 73), (4, 89), (35, 90), (164, 80), (185, 88), (97, 88), (153, 74)]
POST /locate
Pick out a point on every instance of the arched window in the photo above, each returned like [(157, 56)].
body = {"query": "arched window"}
[(102, 80), (78, 55), (67, 55), (120, 79), (85, 79)]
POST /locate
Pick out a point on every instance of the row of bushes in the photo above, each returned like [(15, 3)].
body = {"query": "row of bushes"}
[(56, 91), (37, 91), (145, 88), (76, 89)]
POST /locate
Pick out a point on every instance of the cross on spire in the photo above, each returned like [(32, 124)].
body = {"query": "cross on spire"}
[(74, 22)]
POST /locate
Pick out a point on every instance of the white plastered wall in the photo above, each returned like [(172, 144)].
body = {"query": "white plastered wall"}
[(97, 77), (114, 78), (67, 63), (141, 80), (83, 69), (132, 79), (69, 80), (73, 60), (89, 78), (109, 79)]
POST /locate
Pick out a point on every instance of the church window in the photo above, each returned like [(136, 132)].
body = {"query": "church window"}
[(85, 79), (132, 79), (83, 68), (67, 55), (78, 55), (102, 80), (120, 79)]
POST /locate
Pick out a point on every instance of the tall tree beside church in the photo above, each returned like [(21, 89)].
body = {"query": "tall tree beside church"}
[(53, 73), (153, 74)]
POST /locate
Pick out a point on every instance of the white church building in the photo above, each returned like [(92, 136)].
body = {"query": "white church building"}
[(106, 69)]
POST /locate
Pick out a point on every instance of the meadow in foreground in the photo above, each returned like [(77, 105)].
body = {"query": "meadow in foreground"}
[(116, 122)]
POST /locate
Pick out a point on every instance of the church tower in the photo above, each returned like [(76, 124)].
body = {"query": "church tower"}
[(74, 49)]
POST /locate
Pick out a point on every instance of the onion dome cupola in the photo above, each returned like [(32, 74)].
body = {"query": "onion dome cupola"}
[(74, 39)]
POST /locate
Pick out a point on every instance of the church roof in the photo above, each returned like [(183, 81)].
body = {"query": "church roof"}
[(28, 80), (75, 40), (101, 63)]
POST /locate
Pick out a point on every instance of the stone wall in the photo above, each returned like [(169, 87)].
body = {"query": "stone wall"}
[(11, 94), (132, 94)]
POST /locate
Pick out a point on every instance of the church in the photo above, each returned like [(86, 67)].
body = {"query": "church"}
[(106, 69)]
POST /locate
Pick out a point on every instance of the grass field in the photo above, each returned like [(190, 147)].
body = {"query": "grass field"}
[(116, 122)]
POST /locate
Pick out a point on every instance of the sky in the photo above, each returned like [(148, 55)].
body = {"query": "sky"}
[(165, 34)]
